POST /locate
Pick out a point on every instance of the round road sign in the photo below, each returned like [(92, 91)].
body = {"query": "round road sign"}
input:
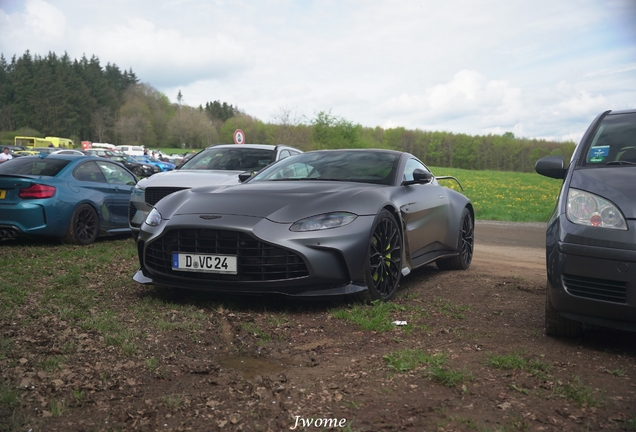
[(239, 137)]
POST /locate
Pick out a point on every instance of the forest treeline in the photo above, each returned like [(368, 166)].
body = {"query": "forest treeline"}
[(81, 99)]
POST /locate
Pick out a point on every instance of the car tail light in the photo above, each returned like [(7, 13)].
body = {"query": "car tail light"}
[(37, 191)]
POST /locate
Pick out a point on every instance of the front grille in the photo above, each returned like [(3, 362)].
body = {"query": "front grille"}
[(155, 194), (597, 289), (131, 211), (256, 260)]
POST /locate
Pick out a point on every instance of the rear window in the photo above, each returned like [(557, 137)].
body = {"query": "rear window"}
[(614, 142), (33, 166)]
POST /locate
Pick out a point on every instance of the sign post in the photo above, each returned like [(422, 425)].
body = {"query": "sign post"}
[(239, 137)]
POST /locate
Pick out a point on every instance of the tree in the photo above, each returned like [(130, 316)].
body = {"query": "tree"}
[(330, 131), (289, 129)]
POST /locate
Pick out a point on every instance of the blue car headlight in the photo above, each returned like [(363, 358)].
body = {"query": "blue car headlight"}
[(153, 218), (323, 221), (584, 208)]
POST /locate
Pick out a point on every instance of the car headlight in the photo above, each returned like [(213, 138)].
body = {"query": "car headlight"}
[(584, 208), (323, 221), (153, 218)]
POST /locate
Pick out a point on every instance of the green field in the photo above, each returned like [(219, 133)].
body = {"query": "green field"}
[(504, 195)]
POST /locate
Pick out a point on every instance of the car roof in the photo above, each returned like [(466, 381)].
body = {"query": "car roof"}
[(626, 111), (261, 146), (255, 146)]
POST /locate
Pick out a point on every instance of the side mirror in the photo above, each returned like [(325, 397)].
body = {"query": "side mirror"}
[(419, 177), (245, 176), (551, 166)]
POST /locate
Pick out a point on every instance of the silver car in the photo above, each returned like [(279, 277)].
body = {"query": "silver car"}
[(216, 165)]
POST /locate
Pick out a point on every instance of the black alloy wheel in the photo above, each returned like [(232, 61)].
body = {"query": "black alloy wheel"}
[(384, 264), (465, 246), (84, 226)]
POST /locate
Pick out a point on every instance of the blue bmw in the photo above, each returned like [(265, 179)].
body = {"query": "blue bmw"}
[(74, 198)]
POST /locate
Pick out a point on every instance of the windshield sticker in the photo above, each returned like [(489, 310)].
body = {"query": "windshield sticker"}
[(597, 154)]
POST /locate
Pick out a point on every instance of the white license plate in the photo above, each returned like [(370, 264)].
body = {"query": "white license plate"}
[(204, 263)]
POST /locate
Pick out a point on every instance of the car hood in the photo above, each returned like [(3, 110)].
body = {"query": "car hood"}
[(283, 202), (191, 178), (614, 183)]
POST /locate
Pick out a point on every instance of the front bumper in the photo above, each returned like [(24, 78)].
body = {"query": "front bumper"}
[(317, 263), (593, 284)]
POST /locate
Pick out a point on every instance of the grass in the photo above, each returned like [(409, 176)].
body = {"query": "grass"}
[(505, 196), (375, 317), (577, 392), (519, 361), (446, 308), (406, 360)]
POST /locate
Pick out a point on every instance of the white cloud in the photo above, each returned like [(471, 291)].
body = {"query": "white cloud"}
[(166, 54), (43, 19), (539, 69)]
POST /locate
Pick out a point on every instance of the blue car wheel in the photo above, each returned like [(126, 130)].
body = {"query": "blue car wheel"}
[(84, 226)]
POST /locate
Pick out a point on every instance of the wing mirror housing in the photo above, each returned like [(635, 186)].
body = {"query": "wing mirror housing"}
[(245, 176), (419, 177), (551, 166)]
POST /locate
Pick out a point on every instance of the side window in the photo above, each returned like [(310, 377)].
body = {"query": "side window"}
[(283, 154), (412, 165), (89, 171), (296, 170), (115, 174)]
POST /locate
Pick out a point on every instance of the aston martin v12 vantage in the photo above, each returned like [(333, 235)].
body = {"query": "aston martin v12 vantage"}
[(327, 222)]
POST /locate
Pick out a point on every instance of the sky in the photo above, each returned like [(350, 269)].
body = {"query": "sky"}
[(537, 68)]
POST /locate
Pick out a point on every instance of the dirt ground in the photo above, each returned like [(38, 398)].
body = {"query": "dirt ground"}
[(274, 364)]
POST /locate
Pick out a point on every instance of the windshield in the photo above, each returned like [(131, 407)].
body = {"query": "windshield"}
[(614, 142), (376, 167), (33, 166), (230, 159)]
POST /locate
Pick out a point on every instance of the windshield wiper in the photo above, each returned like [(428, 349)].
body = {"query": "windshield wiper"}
[(621, 163), (308, 178)]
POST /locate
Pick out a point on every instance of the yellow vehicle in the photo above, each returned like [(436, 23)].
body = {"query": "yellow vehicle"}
[(44, 142)]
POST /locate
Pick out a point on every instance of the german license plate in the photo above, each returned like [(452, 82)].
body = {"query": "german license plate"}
[(3, 193), (206, 263)]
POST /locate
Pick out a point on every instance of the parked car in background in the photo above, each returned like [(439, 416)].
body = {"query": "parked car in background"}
[(163, 166), (131, 150), (74, 198), (591, 234), (32, 151), (106, 153), (68, 152), (216, 165), (140, 169), (331, 222)]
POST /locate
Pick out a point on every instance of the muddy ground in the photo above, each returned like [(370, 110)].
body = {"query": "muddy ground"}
[(262, 364)]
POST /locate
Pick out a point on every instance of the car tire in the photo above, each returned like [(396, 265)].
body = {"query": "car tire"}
[(84, 226), (383, 270), (465, 246), (556, 324)]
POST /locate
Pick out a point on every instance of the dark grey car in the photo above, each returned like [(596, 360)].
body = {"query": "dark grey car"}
[(328, 222), (591, 235)]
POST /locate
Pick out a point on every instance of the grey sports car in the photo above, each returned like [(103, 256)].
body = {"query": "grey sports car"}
[(328, 222)]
